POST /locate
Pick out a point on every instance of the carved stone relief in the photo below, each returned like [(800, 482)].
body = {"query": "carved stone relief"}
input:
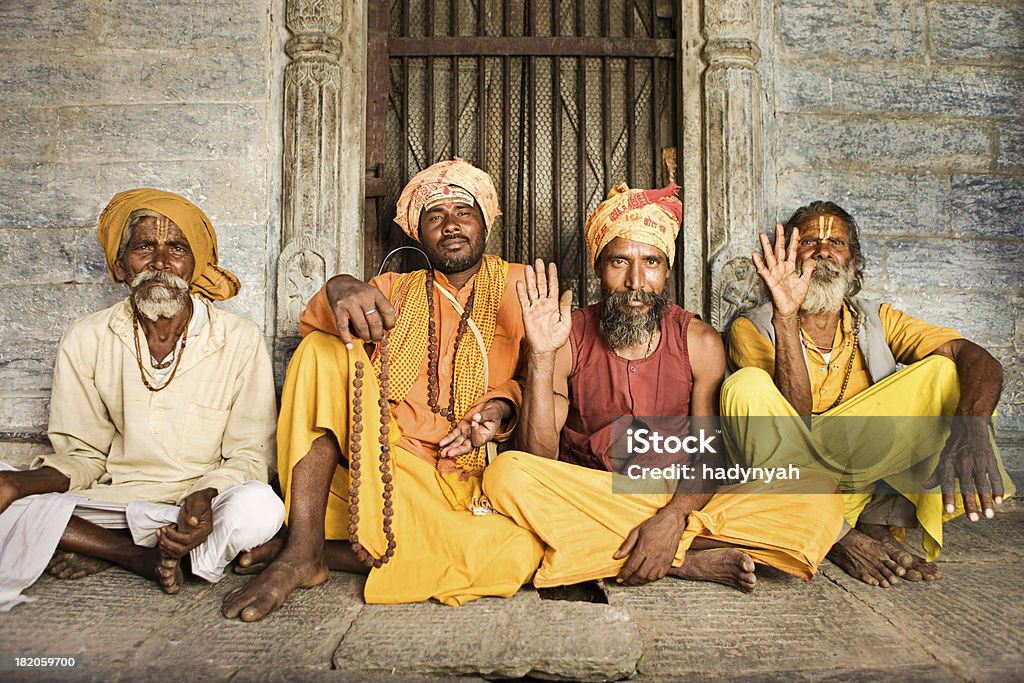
[(320, 83), (736, 289), (734, 154)]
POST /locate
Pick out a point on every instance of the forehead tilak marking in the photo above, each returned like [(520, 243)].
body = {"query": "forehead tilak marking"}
[(163, 229)]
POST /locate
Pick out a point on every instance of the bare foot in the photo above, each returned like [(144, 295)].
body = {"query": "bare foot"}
[(864, 558), (259, 558), (729, 566), (918, 569), (169, 574), (266, 592), (68, 565)]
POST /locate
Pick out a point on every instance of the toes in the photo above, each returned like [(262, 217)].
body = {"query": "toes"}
[(901, 557), (234, 603), (913, 575), (891, 567), (250, 569), (259, 609)]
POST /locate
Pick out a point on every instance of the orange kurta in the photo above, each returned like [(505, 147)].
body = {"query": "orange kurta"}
[(422, 428), (444, 551)]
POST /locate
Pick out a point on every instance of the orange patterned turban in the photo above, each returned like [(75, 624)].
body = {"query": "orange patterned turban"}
[(208, 278), (432, 180), (648, 216)]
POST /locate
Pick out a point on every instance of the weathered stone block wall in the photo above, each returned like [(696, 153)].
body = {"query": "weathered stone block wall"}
[(909, 115), (100, 96)]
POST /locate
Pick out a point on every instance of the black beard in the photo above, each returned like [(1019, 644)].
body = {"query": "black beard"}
[(625, 329), (455, 264)]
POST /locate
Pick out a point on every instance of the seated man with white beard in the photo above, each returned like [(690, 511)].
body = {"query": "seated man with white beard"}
[(889, 438), (162, 419)]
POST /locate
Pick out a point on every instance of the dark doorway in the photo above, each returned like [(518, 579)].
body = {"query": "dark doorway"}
[(556, 99)]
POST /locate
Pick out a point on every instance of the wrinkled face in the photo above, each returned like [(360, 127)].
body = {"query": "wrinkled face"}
[(825, 238), (157, 243), (633, 277), (453, 235), (157, 264)]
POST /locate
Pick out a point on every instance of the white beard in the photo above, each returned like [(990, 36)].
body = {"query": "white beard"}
[(163, 301), (829, 285)]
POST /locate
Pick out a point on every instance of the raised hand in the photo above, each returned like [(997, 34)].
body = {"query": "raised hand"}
[(360, 310), (778, 271), (547, 318)]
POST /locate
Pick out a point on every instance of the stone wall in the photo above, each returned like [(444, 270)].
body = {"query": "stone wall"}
[(909, 115), (105, 95)]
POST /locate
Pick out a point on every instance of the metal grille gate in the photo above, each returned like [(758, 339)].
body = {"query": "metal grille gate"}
[(556, 99)]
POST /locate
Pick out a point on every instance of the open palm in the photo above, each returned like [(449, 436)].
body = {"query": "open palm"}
[(546, 316), (778, 271)]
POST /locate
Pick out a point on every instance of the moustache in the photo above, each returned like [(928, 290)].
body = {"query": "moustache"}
[(164, 279), (634, 296)]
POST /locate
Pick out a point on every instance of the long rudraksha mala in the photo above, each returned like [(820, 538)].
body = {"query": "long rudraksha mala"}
[(355, 446), (432, 352)]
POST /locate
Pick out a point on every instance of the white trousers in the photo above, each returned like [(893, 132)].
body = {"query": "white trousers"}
[(30, 529)]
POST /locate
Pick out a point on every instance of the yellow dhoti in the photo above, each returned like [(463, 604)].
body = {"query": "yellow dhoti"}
[(899, 444), (583, 523), (442, 553)]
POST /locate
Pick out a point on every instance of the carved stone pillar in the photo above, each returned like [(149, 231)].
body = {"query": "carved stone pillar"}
[(324, 104), (733, 153)]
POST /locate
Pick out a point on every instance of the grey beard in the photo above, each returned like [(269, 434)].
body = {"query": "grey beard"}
[(622, 330), (829, 285), (164, 301)]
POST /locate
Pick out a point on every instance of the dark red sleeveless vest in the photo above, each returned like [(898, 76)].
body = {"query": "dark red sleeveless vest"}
[(604, 387)]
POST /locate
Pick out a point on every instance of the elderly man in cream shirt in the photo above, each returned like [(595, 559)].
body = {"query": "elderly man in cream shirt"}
[(162, 419)]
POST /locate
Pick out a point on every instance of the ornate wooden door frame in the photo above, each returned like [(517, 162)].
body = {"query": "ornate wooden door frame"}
[(325, 174)]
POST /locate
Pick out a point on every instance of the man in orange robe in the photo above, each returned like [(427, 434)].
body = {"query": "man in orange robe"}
[(453, 337)]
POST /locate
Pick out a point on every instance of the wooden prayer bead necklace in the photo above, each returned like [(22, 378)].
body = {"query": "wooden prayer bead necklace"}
[(849, 365), (159, 366), (432, 352), (355, 447)]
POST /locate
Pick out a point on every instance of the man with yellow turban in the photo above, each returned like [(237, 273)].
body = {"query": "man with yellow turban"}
[(161, 419), (437, 349), (605, 386)]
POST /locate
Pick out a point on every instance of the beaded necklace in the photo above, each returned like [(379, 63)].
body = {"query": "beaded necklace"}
[(433, 380), (849, 365), (177, 360), (355, 446)]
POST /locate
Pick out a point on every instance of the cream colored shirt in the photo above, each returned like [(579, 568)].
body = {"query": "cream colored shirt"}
[(117, 441)]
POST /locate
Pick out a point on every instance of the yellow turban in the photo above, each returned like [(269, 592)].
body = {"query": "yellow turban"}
[(648, 216), (208, 278), (428, 181)]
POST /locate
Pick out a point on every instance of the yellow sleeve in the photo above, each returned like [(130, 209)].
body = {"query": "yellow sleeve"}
[(910, 339), (749, 348)]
